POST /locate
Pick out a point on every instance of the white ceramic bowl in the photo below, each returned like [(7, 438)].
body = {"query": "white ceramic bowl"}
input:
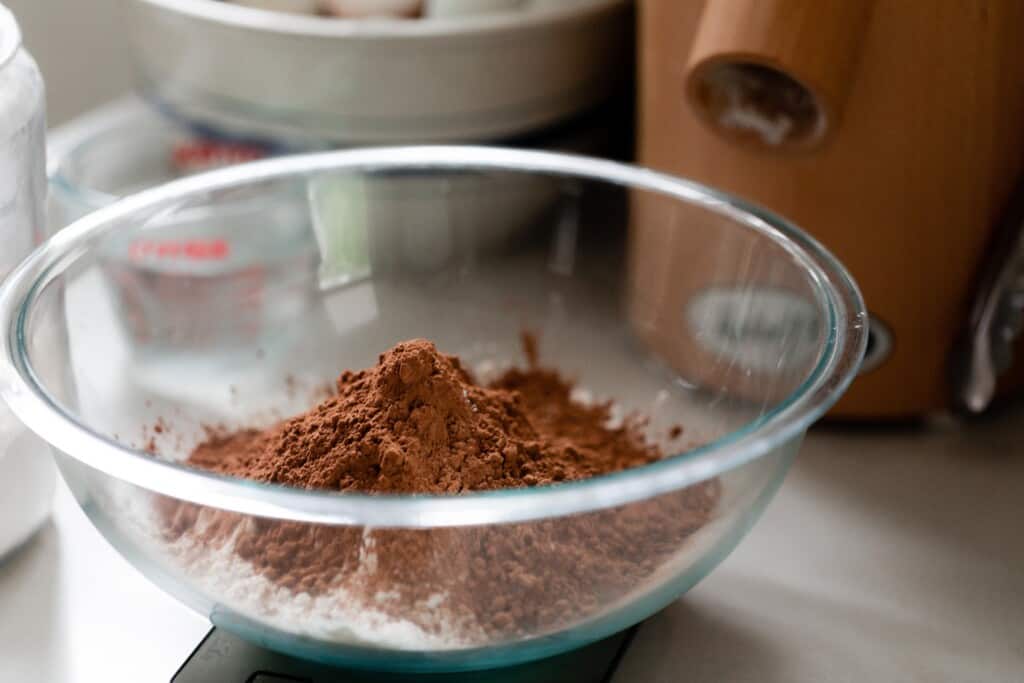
[(309, 80)]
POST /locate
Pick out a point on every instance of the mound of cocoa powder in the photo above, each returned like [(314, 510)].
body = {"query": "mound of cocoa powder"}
[(417, 422)]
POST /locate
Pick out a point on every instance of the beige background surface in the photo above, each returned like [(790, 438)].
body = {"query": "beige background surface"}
[(80, 48)]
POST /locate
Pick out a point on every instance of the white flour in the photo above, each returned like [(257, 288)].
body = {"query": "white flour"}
[(335, 616), (338, 616)]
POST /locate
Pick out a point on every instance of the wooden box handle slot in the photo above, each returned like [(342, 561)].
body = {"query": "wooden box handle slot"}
[(775, 74)]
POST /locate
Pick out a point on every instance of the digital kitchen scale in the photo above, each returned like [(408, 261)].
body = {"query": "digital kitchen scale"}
[(225, 658)]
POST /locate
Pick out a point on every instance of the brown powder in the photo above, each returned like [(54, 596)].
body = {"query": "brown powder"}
[(418, 423)]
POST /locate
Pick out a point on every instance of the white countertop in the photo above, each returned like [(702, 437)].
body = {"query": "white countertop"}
[(892, 555), (888, 555)]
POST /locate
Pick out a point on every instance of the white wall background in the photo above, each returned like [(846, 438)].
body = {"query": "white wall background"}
[(81, 50)]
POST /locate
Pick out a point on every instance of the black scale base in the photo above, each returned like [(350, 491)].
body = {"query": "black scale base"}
[(225, 658)]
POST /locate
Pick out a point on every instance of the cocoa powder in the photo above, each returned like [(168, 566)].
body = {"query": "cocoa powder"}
[(417, 422)]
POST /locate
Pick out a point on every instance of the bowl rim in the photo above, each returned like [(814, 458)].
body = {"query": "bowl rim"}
[(376, 28), (836, 366)]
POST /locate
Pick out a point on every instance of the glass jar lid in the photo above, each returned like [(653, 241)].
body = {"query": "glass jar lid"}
[(10, 36)]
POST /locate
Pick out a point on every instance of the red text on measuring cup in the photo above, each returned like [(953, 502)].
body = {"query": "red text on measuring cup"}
[(187, 250)]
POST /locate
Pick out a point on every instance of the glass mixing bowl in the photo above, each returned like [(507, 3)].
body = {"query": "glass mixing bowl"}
[(671, 299)]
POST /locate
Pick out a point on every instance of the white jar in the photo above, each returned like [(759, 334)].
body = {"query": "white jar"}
[(27, 475)]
